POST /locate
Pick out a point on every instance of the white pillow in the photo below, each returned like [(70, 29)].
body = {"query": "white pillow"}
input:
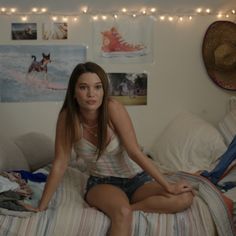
[(227, 126), (11, 157), (189, 144), (38, 149)]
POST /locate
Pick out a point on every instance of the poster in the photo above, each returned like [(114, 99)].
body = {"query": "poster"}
[(30, 73), (123, 40), (129, 88)]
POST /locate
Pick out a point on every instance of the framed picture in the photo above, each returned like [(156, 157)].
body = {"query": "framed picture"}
[(129, 88), (31, 73), (24, 31)]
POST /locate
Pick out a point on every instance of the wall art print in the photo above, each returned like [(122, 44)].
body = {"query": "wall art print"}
[(129, 88), (123, 40), (30, 73), (24, 31), (55, 30)]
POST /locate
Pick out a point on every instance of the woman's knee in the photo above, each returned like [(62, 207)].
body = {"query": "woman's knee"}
[(185, 200), (122, 214)]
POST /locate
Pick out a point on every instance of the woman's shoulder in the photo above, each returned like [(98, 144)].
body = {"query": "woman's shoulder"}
[(113, 105), (117, 112)]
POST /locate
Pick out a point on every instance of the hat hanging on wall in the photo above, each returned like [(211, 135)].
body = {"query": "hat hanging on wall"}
[(219, 53)]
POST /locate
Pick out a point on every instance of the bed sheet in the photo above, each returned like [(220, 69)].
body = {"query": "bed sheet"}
[(68, 214)]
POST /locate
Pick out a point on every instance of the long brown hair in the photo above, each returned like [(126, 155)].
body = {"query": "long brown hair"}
[(72, 109)]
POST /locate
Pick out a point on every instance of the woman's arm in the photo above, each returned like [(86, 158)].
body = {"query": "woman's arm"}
[(124, 128), (59, 165)]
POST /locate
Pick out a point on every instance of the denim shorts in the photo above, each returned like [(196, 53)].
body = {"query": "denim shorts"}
[(128, 185)]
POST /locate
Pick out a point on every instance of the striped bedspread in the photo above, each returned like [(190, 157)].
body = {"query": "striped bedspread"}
[(69, 215)]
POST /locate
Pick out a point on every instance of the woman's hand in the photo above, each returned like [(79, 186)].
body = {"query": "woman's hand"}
[(29, 207), (179, 187)]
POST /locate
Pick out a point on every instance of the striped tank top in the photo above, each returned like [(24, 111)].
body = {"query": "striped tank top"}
[(114, 161)]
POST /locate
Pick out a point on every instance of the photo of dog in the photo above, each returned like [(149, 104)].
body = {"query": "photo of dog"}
[(40, 66)]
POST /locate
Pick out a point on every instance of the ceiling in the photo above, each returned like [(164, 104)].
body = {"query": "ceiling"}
[(108, 5)]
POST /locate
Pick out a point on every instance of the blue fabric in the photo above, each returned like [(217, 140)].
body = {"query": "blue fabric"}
[(225, 160), (35, 177), (226, 186)]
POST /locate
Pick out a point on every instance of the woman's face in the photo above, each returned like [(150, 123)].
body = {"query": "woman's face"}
[(89, 91)]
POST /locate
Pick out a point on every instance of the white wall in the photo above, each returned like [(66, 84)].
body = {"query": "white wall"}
[(177, 81)]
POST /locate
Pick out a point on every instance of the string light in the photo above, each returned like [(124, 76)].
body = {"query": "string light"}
[(95, 18), (3, 9), (124, 10), (34, 9), (54, 18), (24, 18), (153, 9), (104, 17), (144, 11), (64, 19), (43, 10), (162, 18), (85, 9), (199, 10), (13, 10)]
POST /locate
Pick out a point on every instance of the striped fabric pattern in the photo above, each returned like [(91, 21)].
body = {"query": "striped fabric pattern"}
[(69, 215), (113, 162)]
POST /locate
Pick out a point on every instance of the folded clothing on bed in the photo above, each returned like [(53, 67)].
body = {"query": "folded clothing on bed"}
[(24, 187)]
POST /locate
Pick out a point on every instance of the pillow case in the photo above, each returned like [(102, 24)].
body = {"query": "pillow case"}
[(189, 144), (38, 149), (227, 126)]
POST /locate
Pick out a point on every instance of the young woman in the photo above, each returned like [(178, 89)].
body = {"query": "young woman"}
[(122, 179)]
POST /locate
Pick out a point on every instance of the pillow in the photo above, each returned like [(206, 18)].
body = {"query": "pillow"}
[(227, 126), (11, 157), (189, 144), (37, 148)]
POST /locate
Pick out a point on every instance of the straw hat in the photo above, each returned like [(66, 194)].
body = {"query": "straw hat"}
[(219, 53)]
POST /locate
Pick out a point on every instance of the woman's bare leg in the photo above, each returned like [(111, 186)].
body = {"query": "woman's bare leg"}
[(151, 197), (115, 204)]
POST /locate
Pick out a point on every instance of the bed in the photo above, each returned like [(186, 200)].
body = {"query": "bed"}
[(188, 144)]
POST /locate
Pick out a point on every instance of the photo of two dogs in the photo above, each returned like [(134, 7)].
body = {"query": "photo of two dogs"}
[(40, 66)]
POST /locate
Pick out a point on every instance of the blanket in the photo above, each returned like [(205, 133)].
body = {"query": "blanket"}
[(68, 214)]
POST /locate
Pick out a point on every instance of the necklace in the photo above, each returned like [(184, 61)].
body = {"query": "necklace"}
[(89, 129)]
